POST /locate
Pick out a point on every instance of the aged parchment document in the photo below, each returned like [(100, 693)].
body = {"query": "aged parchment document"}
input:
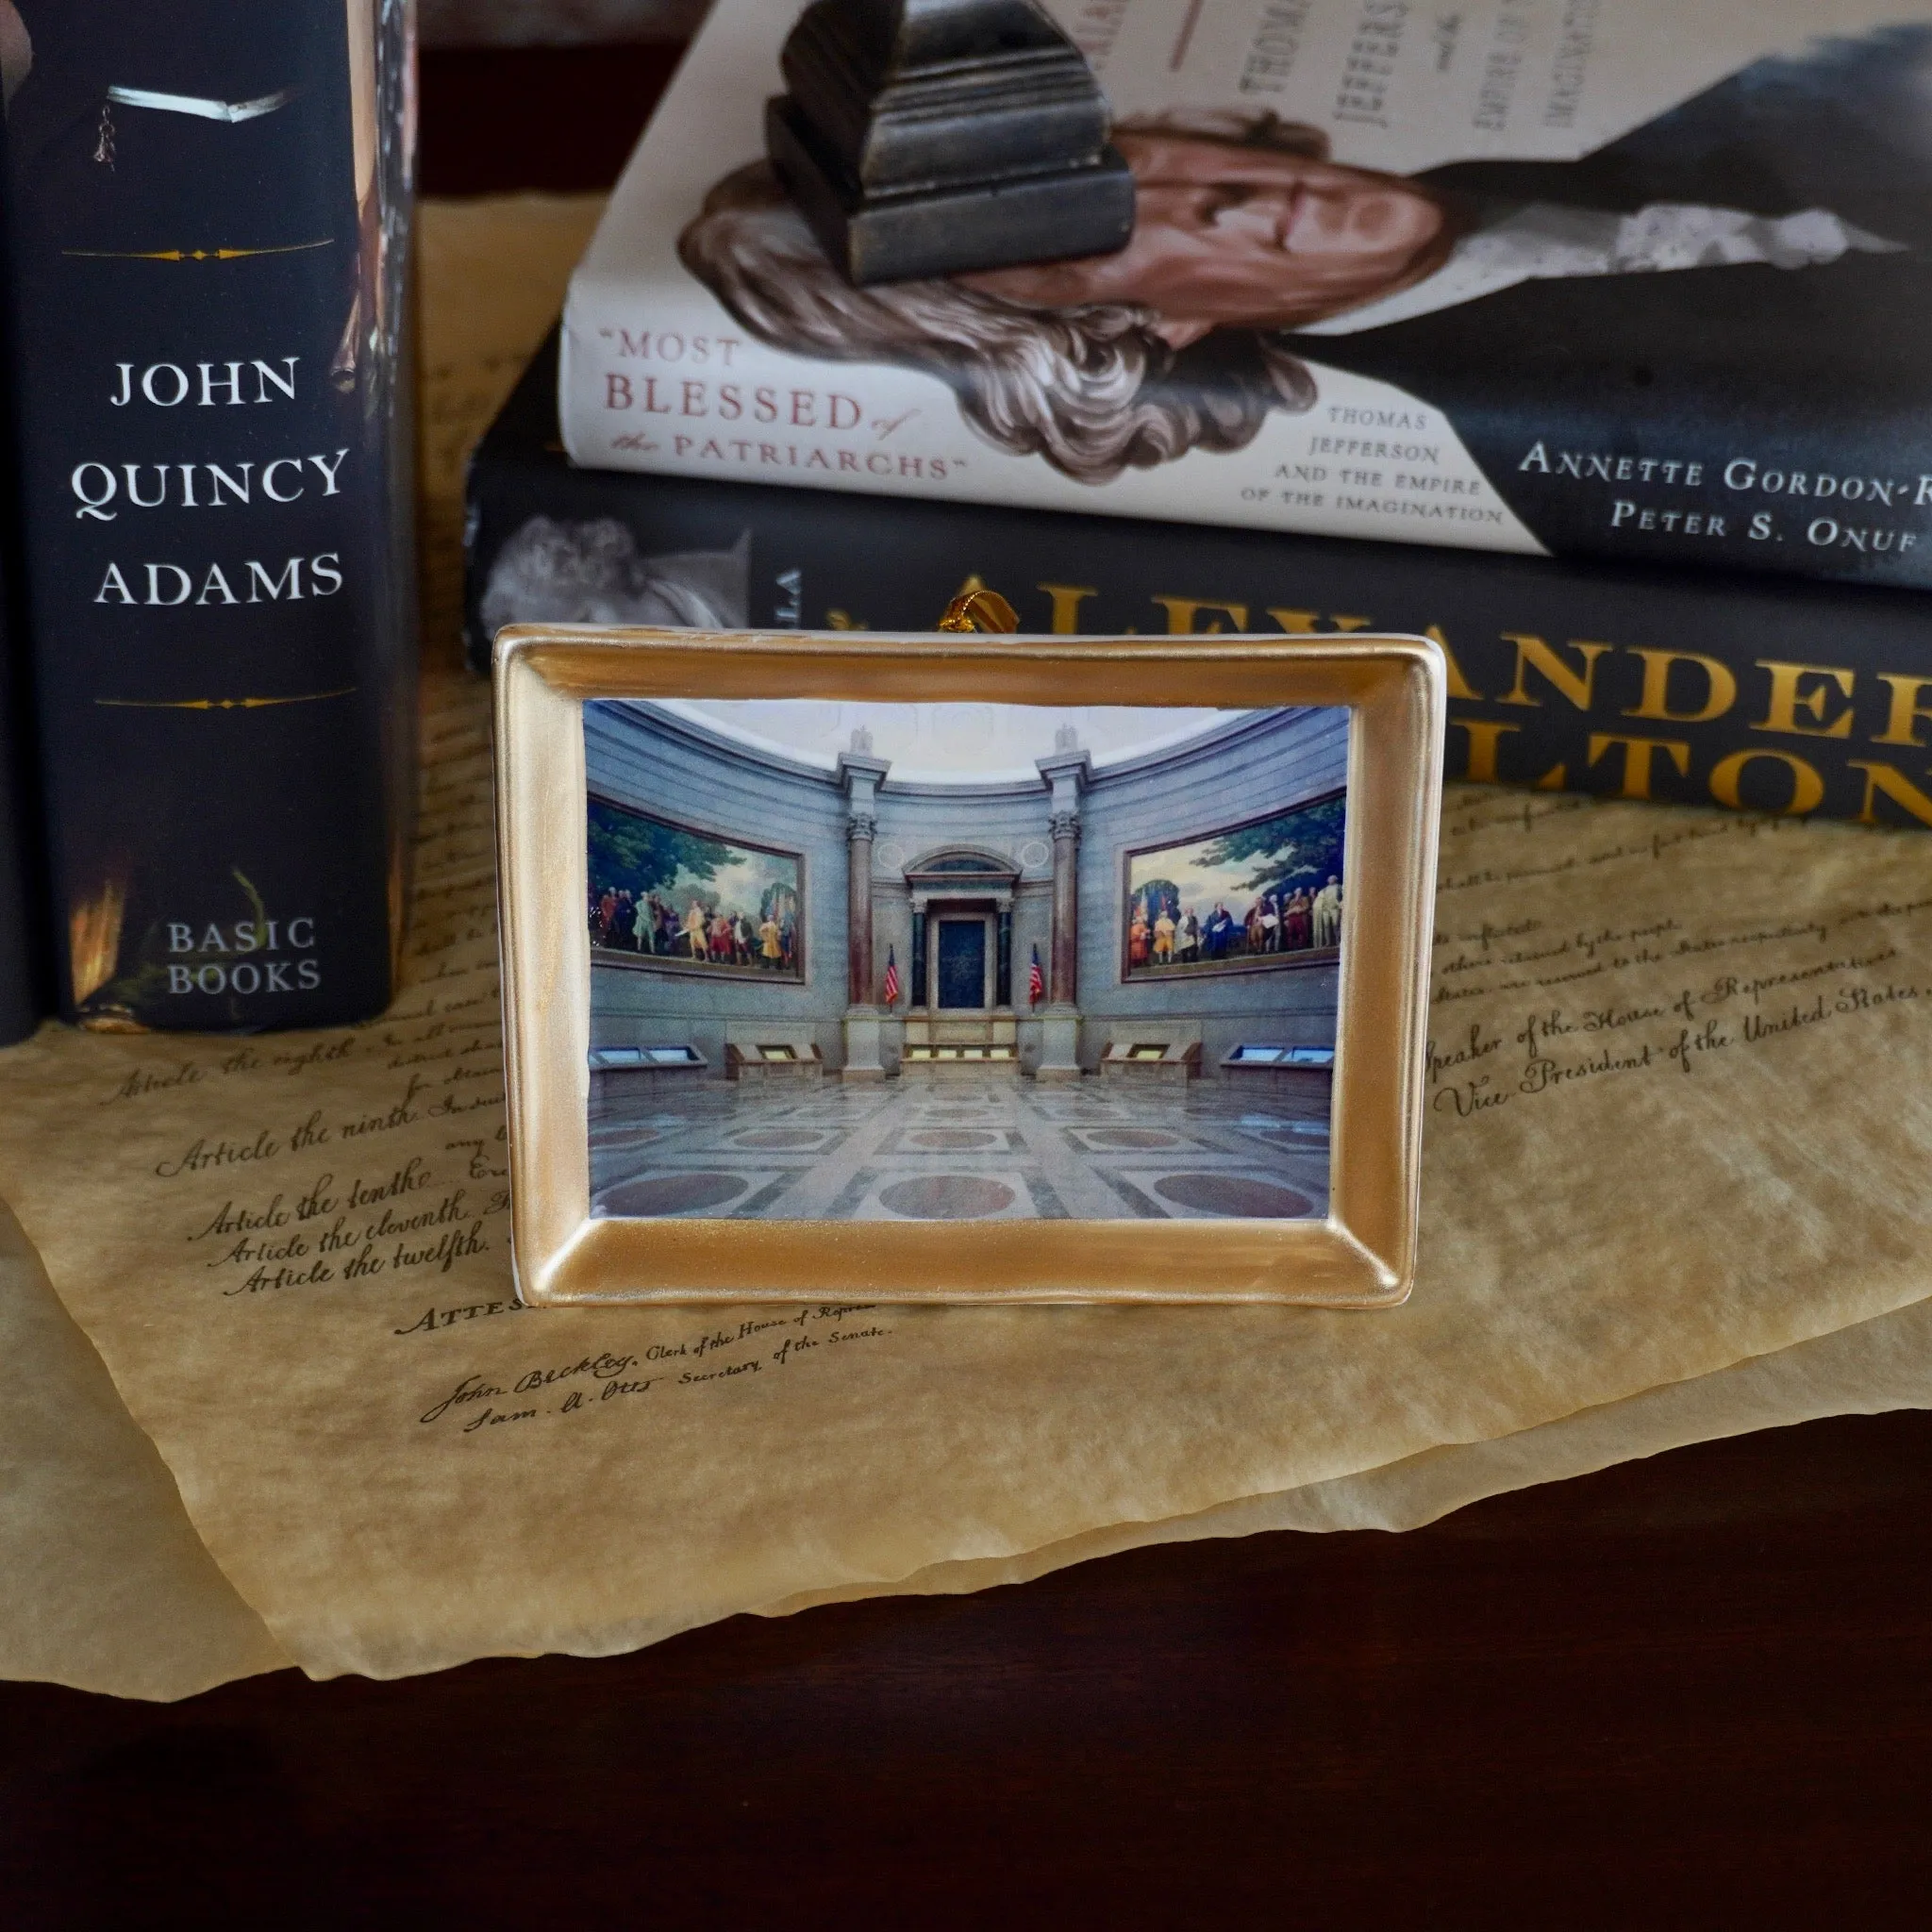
[(1678, 1121), (1885, 1363), (104, 1583), (1645, 1162)]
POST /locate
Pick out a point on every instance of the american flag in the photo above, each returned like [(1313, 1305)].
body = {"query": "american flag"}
[(1036, 981), (892, 977)]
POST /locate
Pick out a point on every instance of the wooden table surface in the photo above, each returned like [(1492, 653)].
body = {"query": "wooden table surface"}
[(1692, 1691)]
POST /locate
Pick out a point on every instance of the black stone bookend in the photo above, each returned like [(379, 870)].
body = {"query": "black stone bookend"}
[(928, 137)]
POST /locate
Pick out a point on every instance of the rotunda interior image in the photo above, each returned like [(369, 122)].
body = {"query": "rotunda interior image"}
[(962, 961)]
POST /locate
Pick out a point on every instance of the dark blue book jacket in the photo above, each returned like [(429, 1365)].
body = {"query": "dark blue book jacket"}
[(210, 225)]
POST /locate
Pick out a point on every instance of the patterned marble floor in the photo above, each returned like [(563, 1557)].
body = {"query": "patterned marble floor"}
[(973, 1147)]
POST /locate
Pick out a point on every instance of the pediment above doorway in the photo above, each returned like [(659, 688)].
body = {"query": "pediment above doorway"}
[(962, 870), (962, 874)]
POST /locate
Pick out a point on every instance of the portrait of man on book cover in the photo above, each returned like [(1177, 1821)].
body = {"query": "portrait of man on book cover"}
[(1765, 235)]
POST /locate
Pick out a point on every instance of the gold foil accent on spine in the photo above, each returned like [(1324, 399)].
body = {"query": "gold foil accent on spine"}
[(192, 254), (314, 697)]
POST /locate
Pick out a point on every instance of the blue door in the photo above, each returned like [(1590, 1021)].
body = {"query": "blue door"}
[(962, 963)]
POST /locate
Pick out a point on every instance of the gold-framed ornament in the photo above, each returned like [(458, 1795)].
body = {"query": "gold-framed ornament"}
[(965, 968)]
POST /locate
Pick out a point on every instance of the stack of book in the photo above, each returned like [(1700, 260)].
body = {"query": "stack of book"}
[(1589, 341), (207, 706)]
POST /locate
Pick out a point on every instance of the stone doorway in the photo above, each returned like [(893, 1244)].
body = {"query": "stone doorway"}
[(960, 1011), (961, 967)]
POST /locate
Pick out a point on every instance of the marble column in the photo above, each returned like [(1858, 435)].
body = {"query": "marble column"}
[(860, 773), (861, 828), (1066, 773), (1063, 983)]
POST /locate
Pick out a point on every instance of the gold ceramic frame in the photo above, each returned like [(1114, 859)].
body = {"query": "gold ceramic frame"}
[(1363, 1255)]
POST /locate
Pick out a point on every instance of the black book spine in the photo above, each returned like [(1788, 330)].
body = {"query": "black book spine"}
[(209, 232), (1636, 681), (26, 960), (23, 979)]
